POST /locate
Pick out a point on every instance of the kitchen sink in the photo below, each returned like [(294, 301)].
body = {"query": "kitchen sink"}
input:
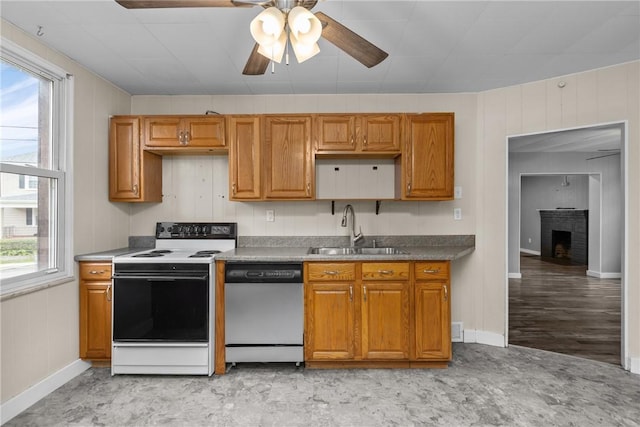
[(348, 250), (333, 251)]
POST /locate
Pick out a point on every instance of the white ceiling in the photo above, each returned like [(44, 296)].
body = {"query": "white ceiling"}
[(433, 46)]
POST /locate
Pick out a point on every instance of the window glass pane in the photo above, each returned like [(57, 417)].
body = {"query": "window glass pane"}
[(27, 248), (25, 117)]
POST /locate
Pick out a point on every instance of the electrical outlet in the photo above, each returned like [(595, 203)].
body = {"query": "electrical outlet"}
[(271, 215), (457, 192), (457, 214), (529, 239)]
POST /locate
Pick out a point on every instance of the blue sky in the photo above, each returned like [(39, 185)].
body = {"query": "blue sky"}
[(18, 112)]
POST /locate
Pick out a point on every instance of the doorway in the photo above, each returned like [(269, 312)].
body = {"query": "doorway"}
[(592, 158)]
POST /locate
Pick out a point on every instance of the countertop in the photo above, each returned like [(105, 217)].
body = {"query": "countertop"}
[(413, 253), (291, 248)]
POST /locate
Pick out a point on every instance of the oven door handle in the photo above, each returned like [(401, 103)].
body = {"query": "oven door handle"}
[(161, 278)]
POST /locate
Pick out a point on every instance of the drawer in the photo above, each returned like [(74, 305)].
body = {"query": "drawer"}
[(385, 271), (432, 270), (335, 271), (95, 270)]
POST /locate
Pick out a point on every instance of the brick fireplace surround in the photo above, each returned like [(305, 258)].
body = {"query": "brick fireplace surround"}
[(574, 223)]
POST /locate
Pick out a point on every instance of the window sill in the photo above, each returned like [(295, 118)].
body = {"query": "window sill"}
[(35, 288)]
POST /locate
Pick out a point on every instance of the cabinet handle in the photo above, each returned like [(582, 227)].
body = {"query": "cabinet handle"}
[(385, 271), (446, 293), (233, 188), (350, 292), (353, 139), (409, 188), (108, 292), (331, 272), (437, 270), (96, 272), (364, 141), (187, 137), (135, 189), (364, 290), (308, 188), (181, 137)]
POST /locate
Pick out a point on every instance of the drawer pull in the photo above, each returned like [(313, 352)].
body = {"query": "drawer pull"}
[(446, 293), (331, 272), (437, 270), (108, 292), (96, 272), (350, 293), (385, 272), (364, 288)]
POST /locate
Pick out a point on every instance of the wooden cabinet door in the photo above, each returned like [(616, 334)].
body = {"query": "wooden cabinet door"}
[(329, 321), (164, 131), (385, 320), (380, 133), (244, 158), (335, 132), (205, 131), (95, 311), (428, 157), (288, 160), (134, 175), (433, 321)]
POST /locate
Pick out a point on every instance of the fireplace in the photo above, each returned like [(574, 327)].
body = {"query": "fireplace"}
[(564, 235)]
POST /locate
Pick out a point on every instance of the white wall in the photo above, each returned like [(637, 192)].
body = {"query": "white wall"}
[(582, 163), (40, 329), (594, 97), (547, 192)]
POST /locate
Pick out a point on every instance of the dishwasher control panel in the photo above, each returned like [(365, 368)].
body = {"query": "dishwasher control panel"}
[(263, 272)]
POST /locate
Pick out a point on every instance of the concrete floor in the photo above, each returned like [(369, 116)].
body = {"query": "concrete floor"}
[(484, 385)]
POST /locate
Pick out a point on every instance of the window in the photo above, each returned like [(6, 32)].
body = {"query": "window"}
[(35, 123)]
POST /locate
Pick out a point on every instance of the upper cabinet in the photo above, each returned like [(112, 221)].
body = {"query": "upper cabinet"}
[(287, 157), (135, 175), (184, 134), (357, 134), (244, 158), (427, 158)]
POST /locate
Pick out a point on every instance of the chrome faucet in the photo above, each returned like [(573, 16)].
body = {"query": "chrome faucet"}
[(355, 238)]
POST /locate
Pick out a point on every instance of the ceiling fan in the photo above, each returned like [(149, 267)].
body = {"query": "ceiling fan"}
[(342, 37)]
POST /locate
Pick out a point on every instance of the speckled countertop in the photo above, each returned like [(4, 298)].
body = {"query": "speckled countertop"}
[(287, 248)]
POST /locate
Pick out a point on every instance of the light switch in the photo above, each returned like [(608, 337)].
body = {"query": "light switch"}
[(457, 214), (457, 192)]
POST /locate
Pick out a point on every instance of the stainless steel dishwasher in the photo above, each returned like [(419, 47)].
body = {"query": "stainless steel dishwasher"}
[(264, 312)]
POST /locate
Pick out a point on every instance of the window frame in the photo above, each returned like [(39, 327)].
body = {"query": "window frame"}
[(60, 170)]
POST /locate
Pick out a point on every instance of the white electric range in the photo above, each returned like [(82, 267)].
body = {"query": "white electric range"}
[(164, 301)]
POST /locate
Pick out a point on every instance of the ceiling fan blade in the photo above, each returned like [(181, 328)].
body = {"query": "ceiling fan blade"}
[(351, 43), (156, 4), (256, 64)]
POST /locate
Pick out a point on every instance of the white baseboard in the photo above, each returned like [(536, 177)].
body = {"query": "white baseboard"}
[(515, 275), (530, 252), (483, 337), (601, 275), (22, 401), (634, 365)]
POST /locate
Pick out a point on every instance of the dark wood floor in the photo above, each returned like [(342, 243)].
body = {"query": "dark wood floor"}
[(558, 308)]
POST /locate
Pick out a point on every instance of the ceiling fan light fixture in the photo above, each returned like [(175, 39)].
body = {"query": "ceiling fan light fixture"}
[(268, 27), (304, 25), (303, 51), (274, 51)]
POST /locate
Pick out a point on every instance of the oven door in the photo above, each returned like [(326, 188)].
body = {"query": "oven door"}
[(161, 306)]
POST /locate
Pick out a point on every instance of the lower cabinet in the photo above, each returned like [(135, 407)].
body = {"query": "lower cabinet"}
[(377, 314), (95, 311)]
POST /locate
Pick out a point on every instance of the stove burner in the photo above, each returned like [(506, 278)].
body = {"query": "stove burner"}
[(153, 254), (204, 254)]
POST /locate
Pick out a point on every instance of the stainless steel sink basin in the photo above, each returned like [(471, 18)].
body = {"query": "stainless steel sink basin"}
[(380, 251), (355, 251), (332, 251)]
